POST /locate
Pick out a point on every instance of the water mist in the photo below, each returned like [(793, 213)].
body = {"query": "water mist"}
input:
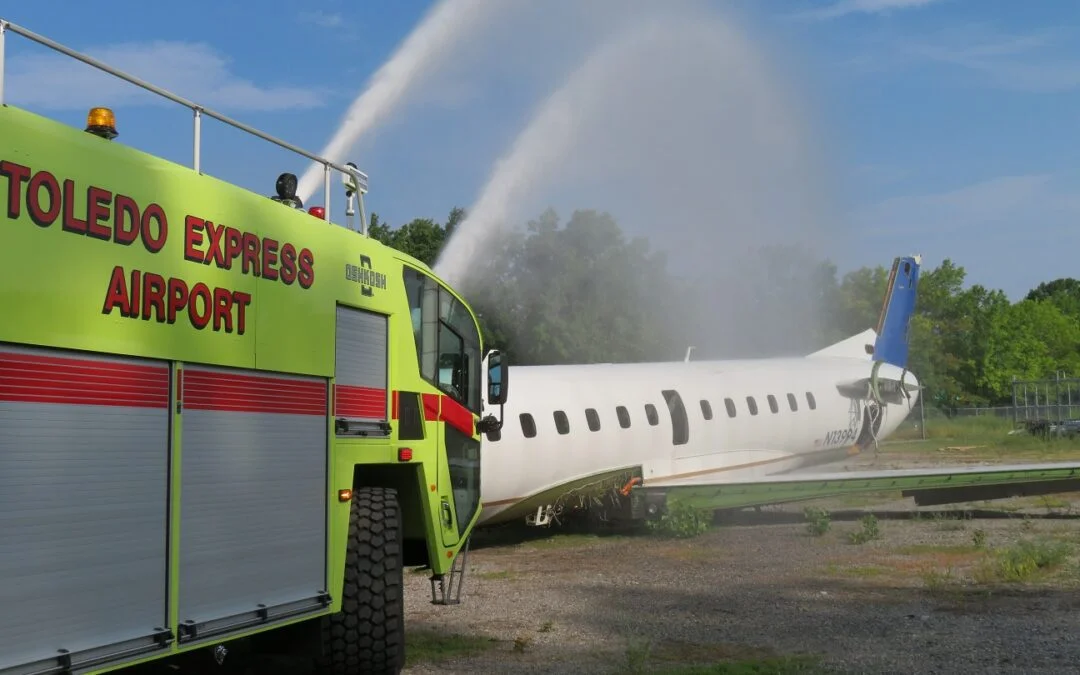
[(448, 24), (677, 126)]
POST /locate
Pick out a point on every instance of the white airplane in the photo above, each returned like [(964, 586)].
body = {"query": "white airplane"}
[(572, 433)]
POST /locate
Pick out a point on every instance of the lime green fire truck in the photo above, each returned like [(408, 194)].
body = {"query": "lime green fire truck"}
[(221, 415)]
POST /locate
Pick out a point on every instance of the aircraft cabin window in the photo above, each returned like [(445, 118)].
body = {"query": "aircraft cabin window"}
[(680, 426), (730, 405), (650, 414), (706, 409), (792, 402), (752, 404), (624, 417), (772, 404), (528, 426), (810, 401), (562, 424), (593, 419)]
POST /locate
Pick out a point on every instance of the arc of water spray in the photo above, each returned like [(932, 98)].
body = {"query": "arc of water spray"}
[(447, 23), (545, 141)]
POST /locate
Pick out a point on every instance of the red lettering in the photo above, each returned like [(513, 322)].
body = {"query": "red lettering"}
[(97, 210), (192, 238), (117, 295), (154, 212), (288, 264), (153, 297), (178, 298), (214, 250), (17, 174), (242, 300), (40, 216), (307, 269), (232, 246), (125, 210), (251, 254), (269, 258), (136, 286), (46, 199), (223, 300), (200, 319), (163, 300), (71, 223)]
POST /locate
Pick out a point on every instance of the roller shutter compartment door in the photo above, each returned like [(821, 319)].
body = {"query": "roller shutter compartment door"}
[(84, 456), (253, 498), (360, 400)]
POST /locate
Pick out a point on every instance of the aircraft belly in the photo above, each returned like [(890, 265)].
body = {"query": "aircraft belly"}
[(567, 492)]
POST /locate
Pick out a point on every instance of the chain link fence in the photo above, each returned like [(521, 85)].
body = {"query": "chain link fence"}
[(1049, 400)]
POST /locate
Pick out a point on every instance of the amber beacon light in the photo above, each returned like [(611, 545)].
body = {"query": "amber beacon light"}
[(101, 122)]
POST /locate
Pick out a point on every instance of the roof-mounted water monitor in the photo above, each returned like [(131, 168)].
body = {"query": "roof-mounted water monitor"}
[(356, 186)]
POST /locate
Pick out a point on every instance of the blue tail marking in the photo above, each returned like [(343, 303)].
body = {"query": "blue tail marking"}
[(891, 345)]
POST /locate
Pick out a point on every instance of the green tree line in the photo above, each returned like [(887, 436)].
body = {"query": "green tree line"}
[(583, 292)]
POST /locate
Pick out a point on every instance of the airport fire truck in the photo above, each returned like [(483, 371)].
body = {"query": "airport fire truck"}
[(222, 416)]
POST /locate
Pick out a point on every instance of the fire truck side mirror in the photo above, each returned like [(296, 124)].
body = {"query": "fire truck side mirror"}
[(498, 373)]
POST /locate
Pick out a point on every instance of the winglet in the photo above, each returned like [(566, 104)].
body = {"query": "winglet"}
[(891, 345)]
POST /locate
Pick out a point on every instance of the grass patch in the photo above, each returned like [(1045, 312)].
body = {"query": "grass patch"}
[(1026, 560), (425, 646), (674, 657), (857, 571), (978, 438), (936, 549), (1023, 561), (777, 665), (681, 521)]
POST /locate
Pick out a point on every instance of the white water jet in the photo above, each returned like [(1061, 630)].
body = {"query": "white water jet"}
[(447, 24), (678, 128)]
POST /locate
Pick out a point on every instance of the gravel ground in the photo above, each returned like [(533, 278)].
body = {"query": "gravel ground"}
[(910, 601)]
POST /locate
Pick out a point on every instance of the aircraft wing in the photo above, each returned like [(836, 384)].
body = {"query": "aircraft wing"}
[(931, 485)]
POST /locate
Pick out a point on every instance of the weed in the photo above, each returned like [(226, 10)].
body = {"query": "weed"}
[(868, 532), (681, 520), (546, 627), (637, 654), (774, 665), (425, 646), (1022, 561), (937, 580), (520, 643), (978, 538), (817, 520)]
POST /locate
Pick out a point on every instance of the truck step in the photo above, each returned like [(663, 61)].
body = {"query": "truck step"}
[(446, 588)]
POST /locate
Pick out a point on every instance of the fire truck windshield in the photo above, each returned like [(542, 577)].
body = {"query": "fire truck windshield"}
[(447, 340)]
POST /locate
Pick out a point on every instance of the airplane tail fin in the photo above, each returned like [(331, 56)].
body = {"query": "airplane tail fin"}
[(891, 345)]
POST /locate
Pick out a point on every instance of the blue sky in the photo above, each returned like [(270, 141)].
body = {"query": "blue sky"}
[(950, 125)]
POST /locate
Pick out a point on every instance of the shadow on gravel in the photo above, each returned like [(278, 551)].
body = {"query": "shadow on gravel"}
[(853, 625)]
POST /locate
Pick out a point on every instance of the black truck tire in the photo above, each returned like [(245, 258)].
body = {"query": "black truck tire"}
[(368, 634)]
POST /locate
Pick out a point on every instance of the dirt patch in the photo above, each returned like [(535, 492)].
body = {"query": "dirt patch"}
[(755, 592)]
